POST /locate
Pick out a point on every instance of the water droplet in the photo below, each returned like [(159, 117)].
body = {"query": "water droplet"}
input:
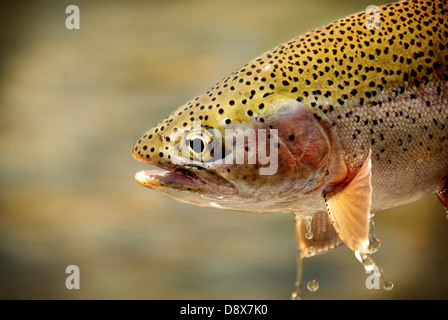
[(310, 251), (388, 285), (374, 245), (295, 296), (309, 233), (296, 293), (313, 285), (374, 242), (366, 261), (368, 264)]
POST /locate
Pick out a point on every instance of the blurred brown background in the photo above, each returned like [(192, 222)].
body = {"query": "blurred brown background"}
[(72, 103)]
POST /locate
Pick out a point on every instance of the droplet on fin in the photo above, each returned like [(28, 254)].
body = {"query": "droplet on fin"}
[(366, 261), (374, 242), (309, 233), (316, 232), (310, 251)]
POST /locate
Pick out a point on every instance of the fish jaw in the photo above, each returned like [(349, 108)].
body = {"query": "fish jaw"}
[(183, 180), (155, 179)]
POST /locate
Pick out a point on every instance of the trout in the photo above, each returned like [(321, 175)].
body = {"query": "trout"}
[(340, 123)]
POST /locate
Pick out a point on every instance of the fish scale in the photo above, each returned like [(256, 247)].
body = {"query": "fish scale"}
[(372, 101)]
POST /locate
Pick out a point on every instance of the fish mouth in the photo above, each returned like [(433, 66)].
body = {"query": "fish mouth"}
[(154, 178), (191, 179)]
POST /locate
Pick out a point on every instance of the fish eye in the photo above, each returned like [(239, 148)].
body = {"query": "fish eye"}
[(200, 144), (197, 145)]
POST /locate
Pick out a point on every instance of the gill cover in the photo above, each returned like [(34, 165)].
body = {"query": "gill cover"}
[(304, 145)]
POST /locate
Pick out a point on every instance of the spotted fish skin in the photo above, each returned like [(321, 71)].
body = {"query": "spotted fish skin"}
[(379, 93)]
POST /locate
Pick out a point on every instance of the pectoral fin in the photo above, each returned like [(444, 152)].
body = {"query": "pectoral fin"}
[(349, 209), (315, 234)]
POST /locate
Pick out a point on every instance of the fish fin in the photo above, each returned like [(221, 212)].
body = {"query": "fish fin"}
[(443, 197), (349, 209), (315, 234)]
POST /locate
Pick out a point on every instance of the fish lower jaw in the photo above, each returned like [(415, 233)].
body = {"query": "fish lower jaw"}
[(160, 178), (185, 180)]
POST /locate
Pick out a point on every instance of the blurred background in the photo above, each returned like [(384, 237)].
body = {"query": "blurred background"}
[(72, 103)]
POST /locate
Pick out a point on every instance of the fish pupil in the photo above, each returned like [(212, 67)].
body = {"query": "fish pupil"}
[(197, 145)]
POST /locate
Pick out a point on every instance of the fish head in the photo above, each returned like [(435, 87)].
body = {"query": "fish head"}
[(237, 149)]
